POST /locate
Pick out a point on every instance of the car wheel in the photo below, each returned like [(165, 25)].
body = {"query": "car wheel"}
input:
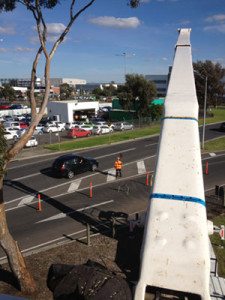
[(70, 174), (14, 137), (88, 134), (62, 129), (94, 167), (50, 131), (74, 137), (39, 133)]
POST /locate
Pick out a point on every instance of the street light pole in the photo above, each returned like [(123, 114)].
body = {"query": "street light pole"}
[(204, 117), (125, 55)]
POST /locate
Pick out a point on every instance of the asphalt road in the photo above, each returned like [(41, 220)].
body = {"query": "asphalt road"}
[(66, 204)]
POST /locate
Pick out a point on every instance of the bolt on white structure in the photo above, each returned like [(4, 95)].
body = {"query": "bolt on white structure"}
[(175, 251)]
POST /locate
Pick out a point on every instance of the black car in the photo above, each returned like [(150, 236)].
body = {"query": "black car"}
[(69, 165), (222, 127)]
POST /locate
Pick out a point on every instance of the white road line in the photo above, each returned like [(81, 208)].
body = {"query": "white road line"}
[(74, 186), (141, 167), (116, 153), (212, 154), (111, 175), (26, 200), (63, 215), (148, 145)]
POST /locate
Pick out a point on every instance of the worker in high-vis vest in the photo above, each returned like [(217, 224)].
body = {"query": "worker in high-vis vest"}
[(118, 167)]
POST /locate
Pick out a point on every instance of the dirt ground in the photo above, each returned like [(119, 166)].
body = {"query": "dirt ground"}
[(120, 254)]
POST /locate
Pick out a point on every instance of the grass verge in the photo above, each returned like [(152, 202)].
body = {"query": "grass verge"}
[(104, 140), (219, 246)]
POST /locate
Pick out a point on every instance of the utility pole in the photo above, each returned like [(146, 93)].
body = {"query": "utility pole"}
[(125, 55)]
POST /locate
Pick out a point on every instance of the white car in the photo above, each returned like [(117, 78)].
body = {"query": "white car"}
[(86, 127), (70, 125), (102, 129), (61, 125), (32, 142), (10, 135), (51, 128)]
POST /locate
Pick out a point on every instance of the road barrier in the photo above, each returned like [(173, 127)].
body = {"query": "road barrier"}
[(206, 168), (39, 202), (90, 189), (147, 174)]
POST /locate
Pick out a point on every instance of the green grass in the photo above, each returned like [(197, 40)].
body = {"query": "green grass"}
[(219, 246), (219, 116), (105, 139), (215, 145)]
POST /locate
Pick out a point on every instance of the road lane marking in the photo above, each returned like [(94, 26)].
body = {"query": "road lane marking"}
[(148, 145), (63, 215), (74, 186), (26, 200), (116, 153), (141, 167), (111, 175)]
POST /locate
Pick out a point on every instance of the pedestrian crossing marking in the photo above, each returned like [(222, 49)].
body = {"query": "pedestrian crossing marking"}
[(141, 167), (111, 175), (74, 186)]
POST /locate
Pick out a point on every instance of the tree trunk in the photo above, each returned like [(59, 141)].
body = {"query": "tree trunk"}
[(10, 247)]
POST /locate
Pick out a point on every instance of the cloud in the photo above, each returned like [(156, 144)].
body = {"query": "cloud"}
[(219, 28), (164, 58), (220, 60), (17, 49), (54, 30), (216, 18), (7, 30), (145, 1), (131, 22)]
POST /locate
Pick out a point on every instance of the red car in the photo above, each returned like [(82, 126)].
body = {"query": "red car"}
[(4, 106), (78, 132), (23, 125)]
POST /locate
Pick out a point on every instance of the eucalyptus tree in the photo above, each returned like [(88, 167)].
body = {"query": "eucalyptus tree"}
[(35, 7), (209, 80)]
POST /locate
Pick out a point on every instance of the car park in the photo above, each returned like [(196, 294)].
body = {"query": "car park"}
[(70, 165), (78, 132), (21, 132), (4, 106), (102, 129), (123, 126)]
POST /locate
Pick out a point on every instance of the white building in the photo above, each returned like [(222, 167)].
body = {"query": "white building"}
[(72, 110)]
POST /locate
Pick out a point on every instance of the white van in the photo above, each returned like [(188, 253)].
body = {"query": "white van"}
[(11, 124)]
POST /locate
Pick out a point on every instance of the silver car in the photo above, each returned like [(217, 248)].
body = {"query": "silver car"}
[(123, 126)]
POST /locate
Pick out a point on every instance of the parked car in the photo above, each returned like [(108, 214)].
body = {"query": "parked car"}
[(23, 125), (11, 124), (222, 127), (12, 130), (69, 165), (87, 127), (102, 129), (32, 142), (70, 125), (123, 126), (61, 125), (78, 132), (4, 106), (51, 128), (21, 132), (10, 135), (15, 106)]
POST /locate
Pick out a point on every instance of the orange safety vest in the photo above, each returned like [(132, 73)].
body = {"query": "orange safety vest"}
[(118, 165)]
